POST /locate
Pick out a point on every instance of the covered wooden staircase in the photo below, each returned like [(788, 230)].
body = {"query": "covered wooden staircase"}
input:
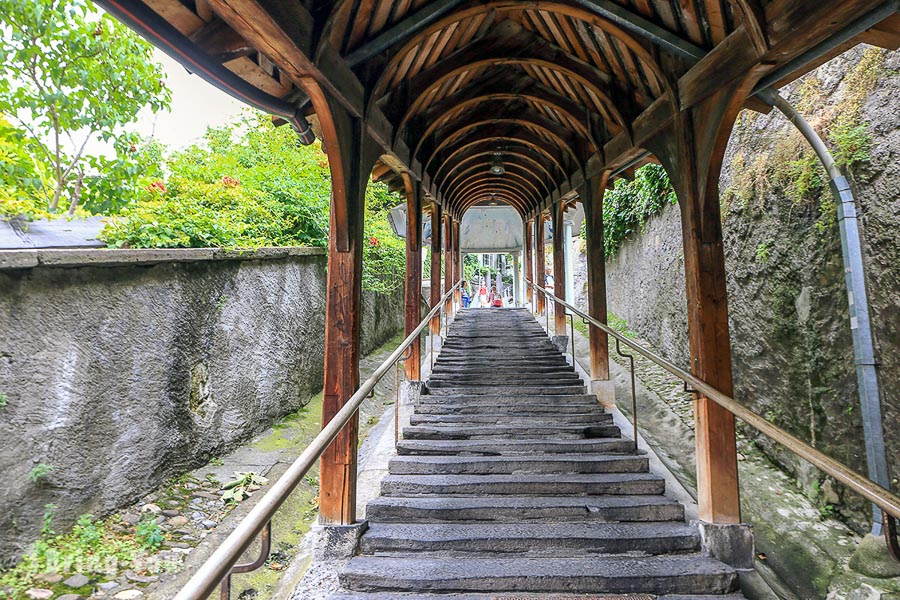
[(512, 480)]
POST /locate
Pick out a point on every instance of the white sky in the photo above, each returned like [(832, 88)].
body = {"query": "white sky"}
[(195, 105)]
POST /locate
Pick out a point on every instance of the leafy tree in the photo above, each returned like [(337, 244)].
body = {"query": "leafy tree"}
[(21, 176), (69, 75)]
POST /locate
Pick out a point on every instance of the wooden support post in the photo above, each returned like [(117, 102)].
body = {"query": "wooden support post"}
[(592, 201), (448, 262), (692, 149), (457, 264), (529, 260), (540, 261), (559, 266), (436, 236), (413, 290), (351, 155)]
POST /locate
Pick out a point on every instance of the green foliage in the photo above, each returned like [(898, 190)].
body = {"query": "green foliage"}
[(251, 184), (851, 142), (92, 546), (39, 473), (762, 251), (384, 254), (240, 488), (628, 206), (22, 178), (148, 533), (3, 400), (70, 74), (193, 214)]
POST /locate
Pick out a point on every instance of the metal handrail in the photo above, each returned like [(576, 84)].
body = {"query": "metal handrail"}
[(219, 565), (871, 491)]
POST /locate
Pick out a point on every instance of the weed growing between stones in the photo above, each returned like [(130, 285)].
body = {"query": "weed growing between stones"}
[(39, 473), (93, 551)]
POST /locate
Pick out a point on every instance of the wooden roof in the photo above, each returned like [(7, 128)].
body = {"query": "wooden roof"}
[(557, 88)]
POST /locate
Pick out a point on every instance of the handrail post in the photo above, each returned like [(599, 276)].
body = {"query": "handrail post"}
[(888, 501)]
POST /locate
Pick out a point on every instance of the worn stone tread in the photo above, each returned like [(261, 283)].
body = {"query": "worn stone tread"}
[(503, 447), (687, 574), (512, 418), (546, 539), (540, 463), (524, 484), (509, 430), (524, 508)]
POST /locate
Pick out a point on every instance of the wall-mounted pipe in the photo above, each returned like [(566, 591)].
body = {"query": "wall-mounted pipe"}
[(860, 324), (159, 32)]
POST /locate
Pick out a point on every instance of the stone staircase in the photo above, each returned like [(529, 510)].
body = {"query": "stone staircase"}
[(512, 481)]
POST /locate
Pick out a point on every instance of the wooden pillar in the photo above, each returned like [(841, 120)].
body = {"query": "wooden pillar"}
[(559, 266), (540, 261), (413, 290), (457, 263), (592, 201), (351, 155), (692, 150), (529, 260), (436, 236), (448, 262)]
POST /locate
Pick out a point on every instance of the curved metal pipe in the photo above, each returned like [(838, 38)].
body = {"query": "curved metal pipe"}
[(860, 323)]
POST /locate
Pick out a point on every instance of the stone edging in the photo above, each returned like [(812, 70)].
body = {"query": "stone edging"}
[(114, 257)]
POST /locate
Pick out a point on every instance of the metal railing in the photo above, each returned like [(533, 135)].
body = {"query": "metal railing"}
[(871, 491), (219, 567)]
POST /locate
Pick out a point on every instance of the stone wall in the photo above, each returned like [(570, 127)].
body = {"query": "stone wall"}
[(790, 329), (122, 368)]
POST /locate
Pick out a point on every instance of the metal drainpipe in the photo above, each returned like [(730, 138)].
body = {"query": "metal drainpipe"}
[(860, 325)]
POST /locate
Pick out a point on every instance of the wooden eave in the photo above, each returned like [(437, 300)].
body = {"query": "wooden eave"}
[(564, 90)]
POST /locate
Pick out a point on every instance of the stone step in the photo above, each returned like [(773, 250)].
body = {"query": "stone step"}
[(505, 509), (507, 447), (464, 399), (533, 463), (529, 539), (687, 574), (454, 389), (513, 595), (503, 379), (509, 431), (511, 418), (531, 484), (526, 409), (488, 369)]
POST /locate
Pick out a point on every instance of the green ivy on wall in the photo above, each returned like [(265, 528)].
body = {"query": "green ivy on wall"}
[(630, 204)]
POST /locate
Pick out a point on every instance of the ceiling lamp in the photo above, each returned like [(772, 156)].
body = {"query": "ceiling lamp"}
[(497, 167), (493, 201)]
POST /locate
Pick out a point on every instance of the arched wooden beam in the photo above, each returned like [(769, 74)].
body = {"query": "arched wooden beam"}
[(514, 135), (467, 151), (493, 89), (483, 173), (496, 182), (504, 197), (502, 97), (501, 197), (533, 162), (525, 116), (517, 170), (518, 47), (510, 186), (552, 137), (558, 8)]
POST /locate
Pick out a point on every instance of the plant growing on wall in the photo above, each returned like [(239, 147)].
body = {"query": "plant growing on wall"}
[(628, 206), (70, 75)]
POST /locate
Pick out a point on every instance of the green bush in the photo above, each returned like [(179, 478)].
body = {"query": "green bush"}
[(193, 214)]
